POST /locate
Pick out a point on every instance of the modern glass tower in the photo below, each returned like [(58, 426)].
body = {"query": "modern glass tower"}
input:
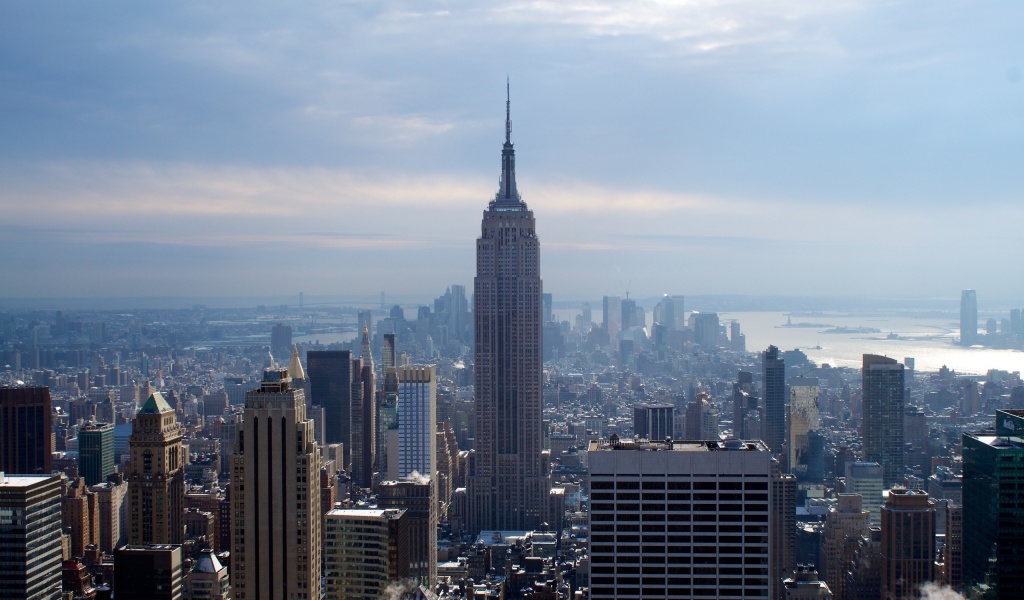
[(774, 400), (968, 317), (508, 487)]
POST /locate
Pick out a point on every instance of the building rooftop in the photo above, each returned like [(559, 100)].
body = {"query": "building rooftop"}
[(729, 445), (155, 405), (19, 481)]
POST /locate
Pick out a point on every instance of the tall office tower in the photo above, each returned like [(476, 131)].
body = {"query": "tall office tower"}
[(705, 330), (25, 439), (111, 496), (509, 486), (274, 495), (704, 509), (968, 317), (653, 421), (865, 478), (882, 400), (953, 550), (845, 523), (96, 452), (330, 386), (148, 572), (993, 513), (628, 314), (970, 397), (418, 497), (357, 537), (156, 475), (864, 573), (364, 422), (1015, 321), (803, 418), (280, 340), (665, 312), (908, 543), (587, 320), (701, 422), (387, 353), (387, 419), (549, 311), (744, 407), (80, 515), (417, 417), (30, 537), (612, 307), (782, 528), (774, 400)]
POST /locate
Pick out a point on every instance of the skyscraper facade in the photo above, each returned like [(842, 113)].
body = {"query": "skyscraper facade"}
[(25, 422), (908, 543), (803, 418), (508, 488), (156, 475), (330, 386), (968, 317), (275, 497), (774, 400), (680, 519), (30, 537), (417, 416), (882, 399), (96, 452)]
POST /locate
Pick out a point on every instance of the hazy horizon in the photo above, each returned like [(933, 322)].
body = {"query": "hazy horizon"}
[(787, 148)]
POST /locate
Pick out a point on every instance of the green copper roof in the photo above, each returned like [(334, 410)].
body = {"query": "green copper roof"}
[(155, 405)]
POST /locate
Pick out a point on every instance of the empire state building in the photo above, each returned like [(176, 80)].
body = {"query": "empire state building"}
[(509, 485)]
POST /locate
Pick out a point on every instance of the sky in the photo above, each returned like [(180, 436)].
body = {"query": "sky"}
[(788, 148)]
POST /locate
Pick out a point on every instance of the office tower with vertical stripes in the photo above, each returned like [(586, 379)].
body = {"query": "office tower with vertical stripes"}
[(275, 496), (882, 392)]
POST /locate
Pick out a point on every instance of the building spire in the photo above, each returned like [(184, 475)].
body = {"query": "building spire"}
[(507, 192)]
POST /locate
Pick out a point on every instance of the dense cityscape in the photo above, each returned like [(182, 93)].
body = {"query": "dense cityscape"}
[(482, 447)]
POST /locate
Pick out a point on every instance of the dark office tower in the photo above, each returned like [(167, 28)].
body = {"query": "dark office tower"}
[(387, 419), (549, 312), (993, 513), (30, 537), (96, 452), (25, 438), (782, 527), (419, 499), (274, 498), (744, 406), (509, 486), (149, 572), (280, 341), (364, 423), (774, 400), (653, 421), (156, 475), (968, 317), (330, 385), (387, 354), (882, 423)]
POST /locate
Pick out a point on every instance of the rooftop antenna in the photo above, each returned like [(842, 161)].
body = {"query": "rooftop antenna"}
[(508, 111)]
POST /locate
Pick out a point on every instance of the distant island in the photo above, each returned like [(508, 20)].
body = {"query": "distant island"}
[(852, 330)]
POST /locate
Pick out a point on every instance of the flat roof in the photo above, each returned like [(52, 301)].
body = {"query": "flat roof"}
[(730, 445)]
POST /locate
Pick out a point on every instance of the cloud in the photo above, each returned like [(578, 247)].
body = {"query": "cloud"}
[(932, 591)]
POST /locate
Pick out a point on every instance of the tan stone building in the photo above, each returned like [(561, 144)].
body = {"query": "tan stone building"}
[(365, 549), (156, 475), (275, 496)]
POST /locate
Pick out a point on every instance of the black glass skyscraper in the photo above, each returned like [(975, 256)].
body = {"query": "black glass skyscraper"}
[(330, 386), (774, 400)]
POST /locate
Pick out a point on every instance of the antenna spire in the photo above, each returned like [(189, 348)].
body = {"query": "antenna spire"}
[(508, 112)]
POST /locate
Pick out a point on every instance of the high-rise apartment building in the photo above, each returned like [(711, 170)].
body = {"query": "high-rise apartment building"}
[(774, 400), (680, 519), (96, 452), (330, 386), (509, 486), (26, 441), (993, 509), (30, 537), (908, 543), (418, 498), (365, 550), (845, 523), (882, 423), (968, 317), (275, 496), (865, 478), (417, 418), (156, 475)]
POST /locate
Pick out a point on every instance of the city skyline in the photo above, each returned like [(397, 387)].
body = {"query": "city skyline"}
[(175, 145)]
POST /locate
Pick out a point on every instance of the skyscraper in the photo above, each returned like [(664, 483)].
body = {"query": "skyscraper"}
[(509, 486), (993, 510), (908, 543), (330, 386), (274, 495), (156, 476), (148, 572), (803, 418), (366, 549), (968, 317), (25, 438), (417, 410), (96, 452), (774, 400), (695, 516), (364, 418), (30, 537), (882, 391)]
